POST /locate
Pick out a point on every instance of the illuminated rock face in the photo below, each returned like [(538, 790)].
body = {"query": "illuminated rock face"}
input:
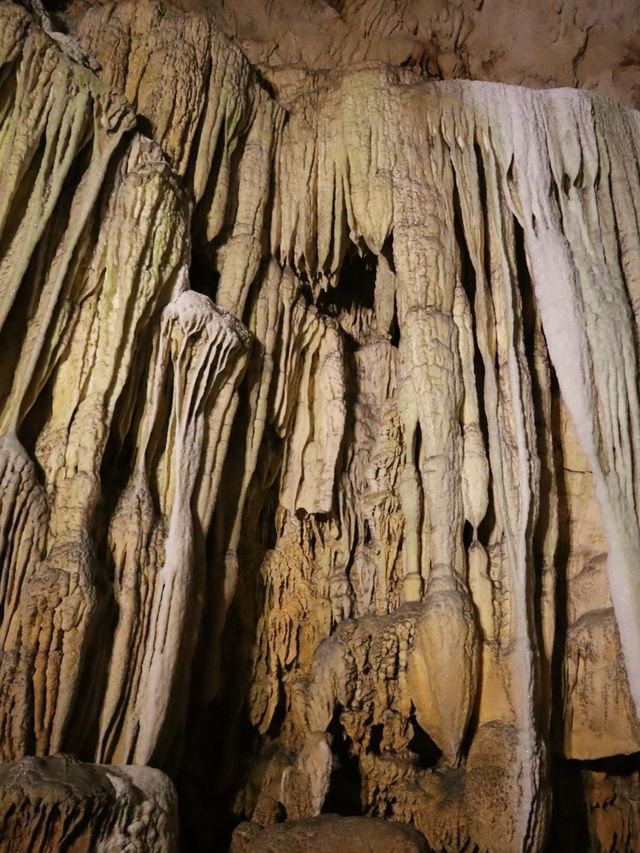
[(319, 437)]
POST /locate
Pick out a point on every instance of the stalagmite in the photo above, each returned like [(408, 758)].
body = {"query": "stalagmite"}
[(203, 345), (319, 432)]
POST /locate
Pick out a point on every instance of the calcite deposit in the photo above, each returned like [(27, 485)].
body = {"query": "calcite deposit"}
[(319, 426), (59, 803)]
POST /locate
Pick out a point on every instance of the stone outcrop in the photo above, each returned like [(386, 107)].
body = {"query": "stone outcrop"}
[(58, 803), (319, 429), (328, 832)]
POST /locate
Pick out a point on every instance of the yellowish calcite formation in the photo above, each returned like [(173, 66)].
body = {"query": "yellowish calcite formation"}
[(319, 438), (59, 803)]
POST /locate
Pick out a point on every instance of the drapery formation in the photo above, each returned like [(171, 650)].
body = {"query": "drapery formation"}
[(319, 419)]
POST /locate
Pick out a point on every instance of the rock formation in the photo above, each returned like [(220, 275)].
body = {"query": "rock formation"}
[(319, 427)]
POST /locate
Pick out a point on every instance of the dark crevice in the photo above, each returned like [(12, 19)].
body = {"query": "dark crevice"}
[(417, 446), (34, 422), (355, 287), (469, 284), (525, 334), (467, 535), (394, 330), (482, 192), (343, 797), (352, 300), (376, 734), (576, 803), (203, 277), (426, 752), (387, 252)]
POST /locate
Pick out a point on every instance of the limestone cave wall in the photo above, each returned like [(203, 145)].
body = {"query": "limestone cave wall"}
[(319, 426)]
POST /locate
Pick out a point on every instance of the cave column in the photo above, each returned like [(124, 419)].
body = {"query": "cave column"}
[(442, 688), (425, 253)]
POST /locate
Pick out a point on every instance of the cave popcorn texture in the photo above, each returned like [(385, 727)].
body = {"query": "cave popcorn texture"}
[(319, 442)]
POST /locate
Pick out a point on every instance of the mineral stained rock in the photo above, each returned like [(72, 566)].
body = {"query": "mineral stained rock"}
[(58, 803), (319, 426), (348, 834)]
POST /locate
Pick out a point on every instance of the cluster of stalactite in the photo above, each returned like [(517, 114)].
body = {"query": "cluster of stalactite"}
[(319, 426)]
